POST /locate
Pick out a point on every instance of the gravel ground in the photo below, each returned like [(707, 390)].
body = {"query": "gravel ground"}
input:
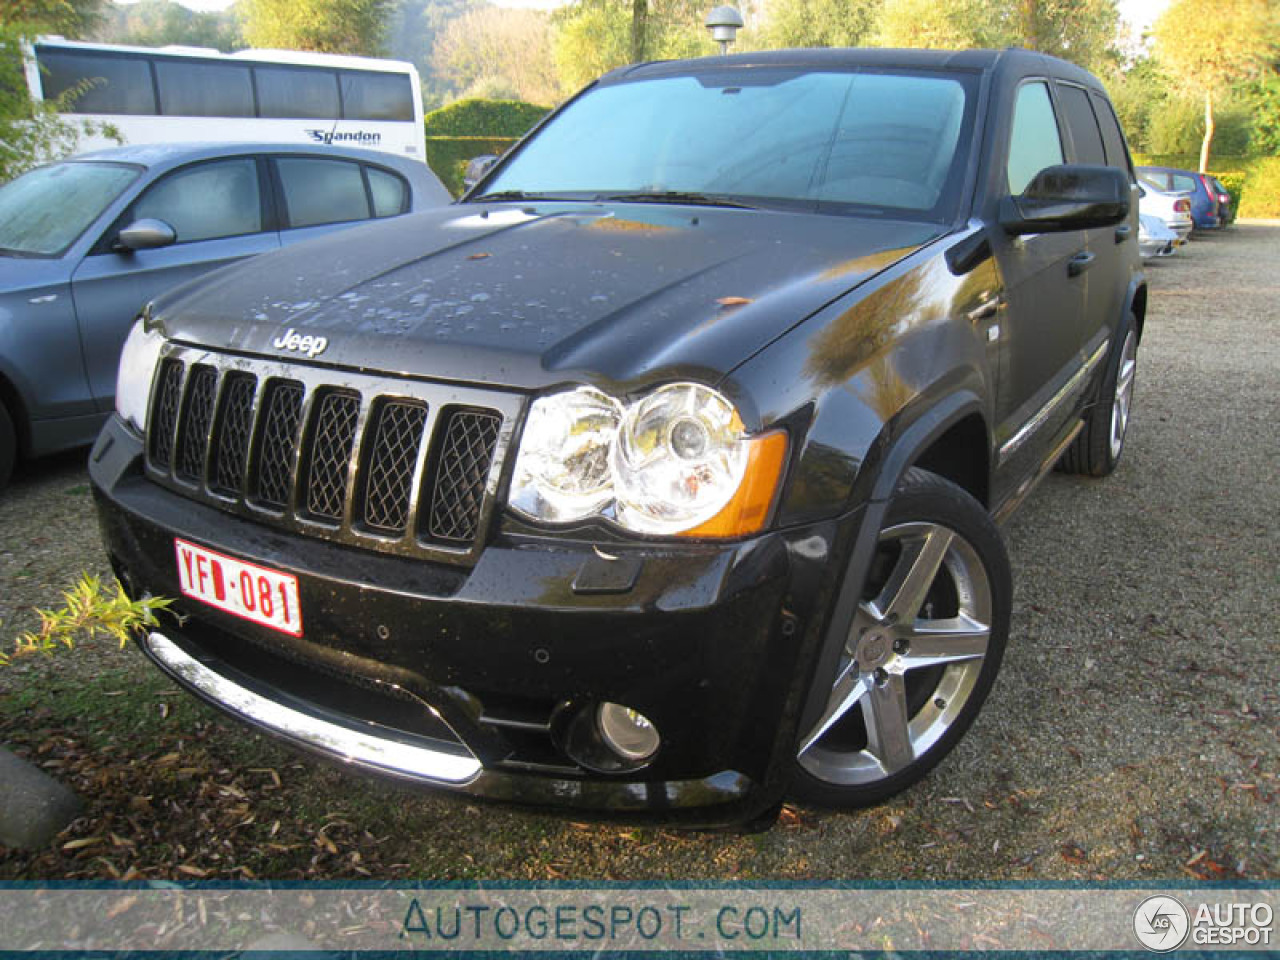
[(1133, 732)]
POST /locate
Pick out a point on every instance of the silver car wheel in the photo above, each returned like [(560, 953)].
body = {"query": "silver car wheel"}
[(1124, 393), (897, 635)]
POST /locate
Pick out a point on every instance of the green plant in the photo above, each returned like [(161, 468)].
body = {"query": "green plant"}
[(473, 128), (483, 118), (87, 612), (1261, 195), (33, 133)]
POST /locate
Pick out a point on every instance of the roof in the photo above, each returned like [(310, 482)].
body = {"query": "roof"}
[(1013, 61), (171, 154)]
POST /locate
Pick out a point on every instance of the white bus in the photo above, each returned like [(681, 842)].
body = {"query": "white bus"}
[(168, 94)]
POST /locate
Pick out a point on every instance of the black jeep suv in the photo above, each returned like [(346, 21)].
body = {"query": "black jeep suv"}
[(660, 474)]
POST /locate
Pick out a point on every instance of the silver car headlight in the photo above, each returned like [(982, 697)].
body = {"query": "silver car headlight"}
[(137, 367), (676, 462)]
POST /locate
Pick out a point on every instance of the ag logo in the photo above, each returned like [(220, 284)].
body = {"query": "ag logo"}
[(1161, 923)]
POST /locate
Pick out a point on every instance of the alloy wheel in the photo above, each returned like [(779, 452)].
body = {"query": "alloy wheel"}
[(911, 660), (1124, 393)]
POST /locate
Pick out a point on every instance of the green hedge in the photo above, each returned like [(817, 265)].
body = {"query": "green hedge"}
[(448, 156), (472, 128), (1254, 183)]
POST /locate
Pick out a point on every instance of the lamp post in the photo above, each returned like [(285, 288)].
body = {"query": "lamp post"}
[(724, 24)]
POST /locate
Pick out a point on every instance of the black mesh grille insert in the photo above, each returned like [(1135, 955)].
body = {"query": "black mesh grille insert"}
[(197, 417), (394, 454), (462, 469), (282, 414), (234, 427), (332, 438), (164, 411)]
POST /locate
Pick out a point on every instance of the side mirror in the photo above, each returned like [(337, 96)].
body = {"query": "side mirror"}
[(145, 235), (1068, 197), (477, 167)]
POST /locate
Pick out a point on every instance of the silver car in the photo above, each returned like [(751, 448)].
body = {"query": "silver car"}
[(1173, 208), (86, 242)]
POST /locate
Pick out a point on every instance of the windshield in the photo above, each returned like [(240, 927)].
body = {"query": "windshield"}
[(819, 139), (44, 211)]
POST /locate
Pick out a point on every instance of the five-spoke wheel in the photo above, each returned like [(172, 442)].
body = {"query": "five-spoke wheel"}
[(921, 653)]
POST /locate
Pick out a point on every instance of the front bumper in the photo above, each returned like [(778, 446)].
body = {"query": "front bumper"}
[(477, 678)]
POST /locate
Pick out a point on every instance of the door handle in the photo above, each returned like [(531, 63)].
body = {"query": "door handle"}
[(1078, 264), (1122, 232)]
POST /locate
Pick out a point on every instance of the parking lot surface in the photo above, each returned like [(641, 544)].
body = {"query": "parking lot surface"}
[(1134, 730)]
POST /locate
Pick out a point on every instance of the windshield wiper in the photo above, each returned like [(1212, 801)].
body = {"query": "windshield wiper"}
[(500, 195), (675, 196)]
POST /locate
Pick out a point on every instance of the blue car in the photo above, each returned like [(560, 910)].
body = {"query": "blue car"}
[(85, 243), (1205, 212)]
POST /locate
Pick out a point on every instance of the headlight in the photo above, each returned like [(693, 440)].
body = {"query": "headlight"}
[(678, 461), (562, 472), (137, 366)]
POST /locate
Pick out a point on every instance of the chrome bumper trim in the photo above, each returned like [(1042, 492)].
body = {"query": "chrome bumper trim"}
[(391, 756)]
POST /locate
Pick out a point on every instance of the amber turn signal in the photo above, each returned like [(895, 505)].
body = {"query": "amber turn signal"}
[(749, 509)]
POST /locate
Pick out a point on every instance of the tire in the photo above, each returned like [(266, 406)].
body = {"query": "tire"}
[(923, 650), (8, 446), (1097, 449)]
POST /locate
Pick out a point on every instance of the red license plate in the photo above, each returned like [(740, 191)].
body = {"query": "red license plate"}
[(247, 590)]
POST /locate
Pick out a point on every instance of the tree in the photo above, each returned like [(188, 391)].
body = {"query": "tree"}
[(156, 23), (415, 27), (71, 18), (941, 26), (33, 133), (596, 36), (1082, 31), (1208, 45), (818, 23), (326, 26), (499, 50)]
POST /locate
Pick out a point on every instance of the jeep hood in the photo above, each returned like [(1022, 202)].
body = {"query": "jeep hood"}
[(530, 296)]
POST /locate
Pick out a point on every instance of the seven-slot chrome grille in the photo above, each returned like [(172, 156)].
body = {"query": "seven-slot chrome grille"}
[(393, 465)]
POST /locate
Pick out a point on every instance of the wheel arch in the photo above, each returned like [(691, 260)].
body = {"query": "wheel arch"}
[(930, 436), (11, 398), (1135, 304)]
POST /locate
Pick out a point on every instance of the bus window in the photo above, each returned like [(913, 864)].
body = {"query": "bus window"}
[(373, 96), (322, 191), (390, 193), (289, 92), (118, 84), (204, 89)]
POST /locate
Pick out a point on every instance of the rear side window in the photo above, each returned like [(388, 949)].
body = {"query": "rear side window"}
[(289, 92), (206, 201), (1112, 138), (390, 193), (113, 85), (320, 191), (374, 96), (1085, 134), (1035, 143), (204, 89), (1183, 182)]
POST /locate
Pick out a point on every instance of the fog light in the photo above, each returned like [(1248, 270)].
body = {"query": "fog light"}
[(627, 732)]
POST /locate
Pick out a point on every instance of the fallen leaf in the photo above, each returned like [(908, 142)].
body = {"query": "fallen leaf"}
[(81, 843), (734, 301), (479, 256)]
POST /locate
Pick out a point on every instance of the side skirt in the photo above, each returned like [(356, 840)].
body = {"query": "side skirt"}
[(1014, 500)]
